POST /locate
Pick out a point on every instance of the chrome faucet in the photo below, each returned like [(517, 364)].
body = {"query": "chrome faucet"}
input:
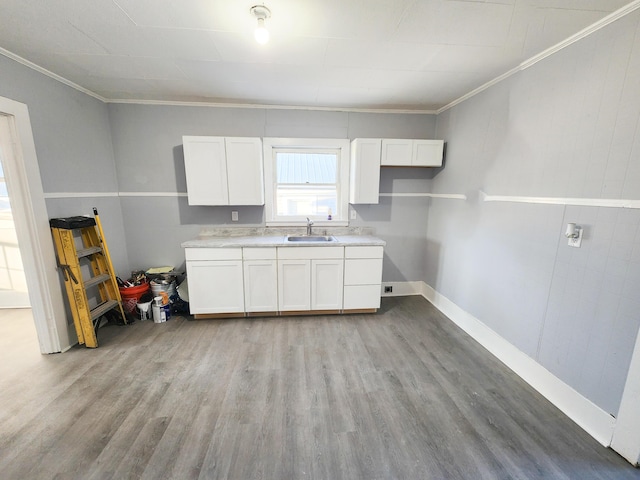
[(309, 223)]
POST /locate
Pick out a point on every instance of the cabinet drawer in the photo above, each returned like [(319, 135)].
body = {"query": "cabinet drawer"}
[(363, 252), (308, 253), (361, 296), (363, 271), (262, 253), (213, 254)]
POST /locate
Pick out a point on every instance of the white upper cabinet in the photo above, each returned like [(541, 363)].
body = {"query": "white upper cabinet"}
[(427, 153), (412, 153), (244, 171), (223, 170), (368, 154), (205, 167), (365, 170), (396, 152)]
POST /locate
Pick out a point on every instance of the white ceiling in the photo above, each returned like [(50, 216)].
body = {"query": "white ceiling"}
[(360, 54)]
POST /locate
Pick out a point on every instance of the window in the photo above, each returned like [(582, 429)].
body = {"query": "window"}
[(306, 178)]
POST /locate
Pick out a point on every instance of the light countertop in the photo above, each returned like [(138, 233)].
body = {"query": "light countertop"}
[(280, 241)]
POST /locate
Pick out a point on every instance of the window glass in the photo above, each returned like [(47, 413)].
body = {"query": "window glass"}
[(306, 178), (306, 183)]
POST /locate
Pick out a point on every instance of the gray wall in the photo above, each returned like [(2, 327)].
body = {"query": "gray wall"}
[(74, 149), (566, 127), (147, 142)]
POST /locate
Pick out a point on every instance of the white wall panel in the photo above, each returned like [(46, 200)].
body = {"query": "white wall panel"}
[(565, 127)]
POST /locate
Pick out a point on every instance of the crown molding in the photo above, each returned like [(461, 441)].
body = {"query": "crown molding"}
[(269, 106), (69, 83), (50, 74)]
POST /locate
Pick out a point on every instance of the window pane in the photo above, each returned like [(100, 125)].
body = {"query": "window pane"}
[(301, 168), (305, 200)]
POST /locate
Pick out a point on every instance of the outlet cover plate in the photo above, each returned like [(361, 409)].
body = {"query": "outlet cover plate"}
[(576, 242)]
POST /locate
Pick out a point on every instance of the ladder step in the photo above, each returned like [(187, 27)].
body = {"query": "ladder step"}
[(97, 280), (103, 308), (85, 252), (72, 223)]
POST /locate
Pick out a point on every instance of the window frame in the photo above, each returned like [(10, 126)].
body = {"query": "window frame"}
[(340, 217)]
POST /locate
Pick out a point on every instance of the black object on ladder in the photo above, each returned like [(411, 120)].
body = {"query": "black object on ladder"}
[(95, 253)]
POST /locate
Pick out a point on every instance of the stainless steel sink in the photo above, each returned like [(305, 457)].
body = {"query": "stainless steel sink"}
[(311, 238)]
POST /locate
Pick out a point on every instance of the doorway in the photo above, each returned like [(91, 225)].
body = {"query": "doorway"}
[(13, 283), (32, 242)]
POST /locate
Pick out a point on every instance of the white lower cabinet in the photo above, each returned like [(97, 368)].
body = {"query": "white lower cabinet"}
[(310, 278), (260, 279), (215, 280), (285, 279), (326, 284), (362, 277), (294, 285)]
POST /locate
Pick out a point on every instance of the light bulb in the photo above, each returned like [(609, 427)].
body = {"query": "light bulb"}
[(261, 33)]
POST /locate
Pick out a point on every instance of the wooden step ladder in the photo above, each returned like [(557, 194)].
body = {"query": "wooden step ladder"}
[(93, 257)]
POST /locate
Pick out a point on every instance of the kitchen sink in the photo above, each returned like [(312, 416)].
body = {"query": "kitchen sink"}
[(312, 238)]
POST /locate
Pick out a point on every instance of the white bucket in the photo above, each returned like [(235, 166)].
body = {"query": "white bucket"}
[(145, 310)]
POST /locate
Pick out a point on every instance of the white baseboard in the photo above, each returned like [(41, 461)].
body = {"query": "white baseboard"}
[(591, 418), (403, 289)]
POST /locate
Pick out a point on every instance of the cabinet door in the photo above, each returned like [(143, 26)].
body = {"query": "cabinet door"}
[(326, 284), (396, 152), (244, 171), (215, 286), (427, 153), (365, 170), (294, 286), (260, 286), (206, 170)]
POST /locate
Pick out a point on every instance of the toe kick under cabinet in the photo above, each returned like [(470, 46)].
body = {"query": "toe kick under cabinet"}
[(252, 281)]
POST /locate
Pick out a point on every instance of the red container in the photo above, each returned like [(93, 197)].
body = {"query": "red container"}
[(131, 296)]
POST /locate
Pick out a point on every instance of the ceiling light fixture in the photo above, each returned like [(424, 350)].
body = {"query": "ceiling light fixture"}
[(261, 13)]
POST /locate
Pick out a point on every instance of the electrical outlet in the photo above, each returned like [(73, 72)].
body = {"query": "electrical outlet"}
[(234, 216), (388, 289), (354, 215)]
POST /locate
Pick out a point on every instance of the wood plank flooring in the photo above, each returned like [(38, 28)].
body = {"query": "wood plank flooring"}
[(403, 394)]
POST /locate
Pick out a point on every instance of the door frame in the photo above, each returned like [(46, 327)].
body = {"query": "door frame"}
[(626, 432), (22, 175)]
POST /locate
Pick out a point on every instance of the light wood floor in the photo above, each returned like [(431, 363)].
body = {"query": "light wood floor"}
[(403, 394)]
